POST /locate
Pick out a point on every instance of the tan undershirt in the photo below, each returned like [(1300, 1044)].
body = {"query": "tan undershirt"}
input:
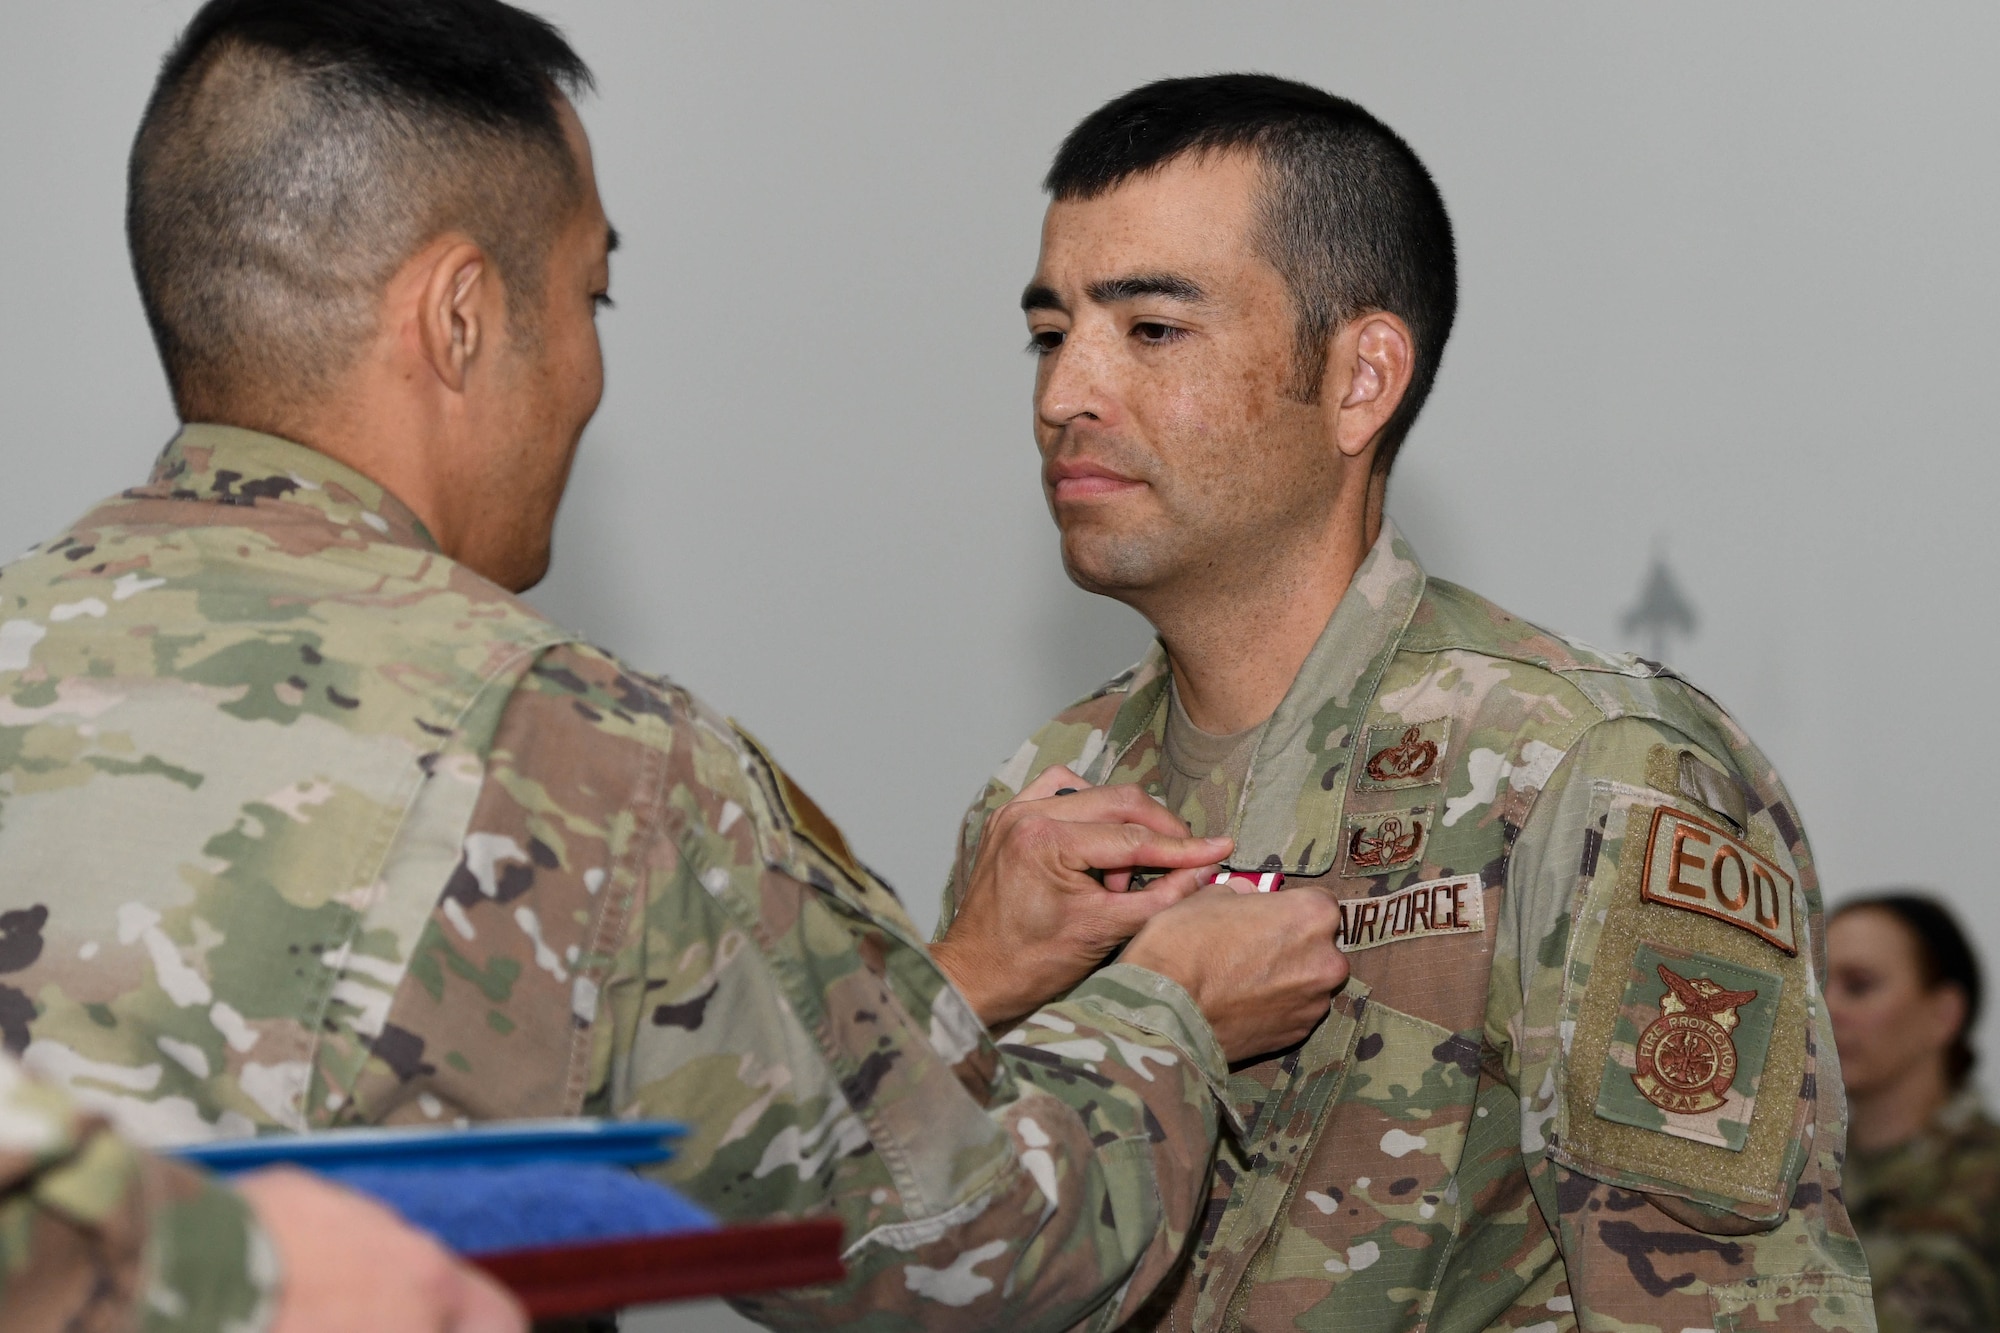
[(1203, 773)]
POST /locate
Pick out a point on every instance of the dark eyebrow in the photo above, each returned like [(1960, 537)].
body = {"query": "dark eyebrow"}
[(1042, 298), (1107, 291), (610, 239)]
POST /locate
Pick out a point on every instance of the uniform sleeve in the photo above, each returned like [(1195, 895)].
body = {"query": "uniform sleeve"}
[(649, 918), (971, 829), (97, 1235), (793, 1018), (1656, 1000)]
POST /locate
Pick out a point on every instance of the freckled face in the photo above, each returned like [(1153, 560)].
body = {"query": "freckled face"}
[(1875, 995), (1172, 457)]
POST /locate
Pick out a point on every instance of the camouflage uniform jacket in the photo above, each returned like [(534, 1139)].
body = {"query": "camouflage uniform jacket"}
[(1574, 1080), (97, 1236), (302, 824), (1929, 1214)]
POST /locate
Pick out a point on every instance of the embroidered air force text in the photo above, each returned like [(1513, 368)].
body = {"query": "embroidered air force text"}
[(1435, 907), (1694, 865)]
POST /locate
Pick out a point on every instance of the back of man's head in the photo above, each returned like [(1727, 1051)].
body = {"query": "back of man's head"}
[(296, 152), (1349, 217)]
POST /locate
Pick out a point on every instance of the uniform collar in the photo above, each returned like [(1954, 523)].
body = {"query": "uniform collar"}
[(1289, 811), (228, 465)]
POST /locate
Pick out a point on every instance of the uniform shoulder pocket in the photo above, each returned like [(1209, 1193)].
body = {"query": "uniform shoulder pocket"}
[(814, 850), (1687, 1007)]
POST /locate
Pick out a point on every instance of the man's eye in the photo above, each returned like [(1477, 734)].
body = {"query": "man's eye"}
[(1149, 332), (603, 301), (1044, 342)]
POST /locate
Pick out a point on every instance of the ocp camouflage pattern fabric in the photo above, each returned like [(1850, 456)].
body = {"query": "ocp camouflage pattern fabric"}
[(1929, 1215), (96, 1236), (1487, 801), (302, 825)]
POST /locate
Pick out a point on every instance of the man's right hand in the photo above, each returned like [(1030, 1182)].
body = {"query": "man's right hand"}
[(1046, 901), (1262, 966), (349, 1265)]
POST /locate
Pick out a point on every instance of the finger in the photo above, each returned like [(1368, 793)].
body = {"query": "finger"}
[(1086, 847), (488, 1307), (1175, 885), (1051, 780), (1123, 916), (1122, 804)]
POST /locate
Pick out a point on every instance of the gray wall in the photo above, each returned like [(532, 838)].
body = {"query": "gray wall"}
[(1729, 292)]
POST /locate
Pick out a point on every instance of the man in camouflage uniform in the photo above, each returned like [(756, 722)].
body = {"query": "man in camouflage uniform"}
[(95, 1234), (1576, 1078), (306, 820)]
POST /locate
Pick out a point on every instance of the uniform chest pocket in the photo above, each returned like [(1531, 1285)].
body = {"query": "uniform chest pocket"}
[(1376, 1202)]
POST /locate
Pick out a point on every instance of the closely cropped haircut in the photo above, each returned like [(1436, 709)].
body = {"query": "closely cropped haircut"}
[(295, 153), (1944, 958), (1349, 217)]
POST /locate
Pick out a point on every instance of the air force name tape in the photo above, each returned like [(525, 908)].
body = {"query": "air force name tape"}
[(1693, 865), (1435, 907)]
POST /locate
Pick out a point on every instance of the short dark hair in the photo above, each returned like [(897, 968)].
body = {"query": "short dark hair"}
[(1944, 958), (294, 153), (1349, 216)]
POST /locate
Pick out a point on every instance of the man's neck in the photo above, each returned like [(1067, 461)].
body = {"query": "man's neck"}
[(1898, 1112), (1236, 647), (393, 445)]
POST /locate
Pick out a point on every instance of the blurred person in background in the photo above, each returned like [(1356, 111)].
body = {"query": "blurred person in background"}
[(1923, 1166)]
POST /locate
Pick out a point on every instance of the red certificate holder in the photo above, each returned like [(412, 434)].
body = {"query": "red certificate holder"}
[(609, 1275)]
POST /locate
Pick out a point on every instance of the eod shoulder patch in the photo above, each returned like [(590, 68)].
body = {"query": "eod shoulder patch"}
[(1692, 864), (1687, 983)]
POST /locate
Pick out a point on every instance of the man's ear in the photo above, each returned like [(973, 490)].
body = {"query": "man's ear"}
[(457, 307), (1369, 364)]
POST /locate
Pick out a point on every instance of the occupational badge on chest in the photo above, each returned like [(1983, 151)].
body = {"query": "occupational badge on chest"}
[(1401, 754), (1382, 843), (1687, 1054)]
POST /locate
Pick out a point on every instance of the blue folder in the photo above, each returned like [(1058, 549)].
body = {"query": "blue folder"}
[(622, 1142), (493, 1188)]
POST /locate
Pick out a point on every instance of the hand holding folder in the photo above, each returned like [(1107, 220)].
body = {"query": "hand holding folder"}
[(553, 1210)]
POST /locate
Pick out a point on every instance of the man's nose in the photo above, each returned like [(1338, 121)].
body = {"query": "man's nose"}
[(1074, 384)]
